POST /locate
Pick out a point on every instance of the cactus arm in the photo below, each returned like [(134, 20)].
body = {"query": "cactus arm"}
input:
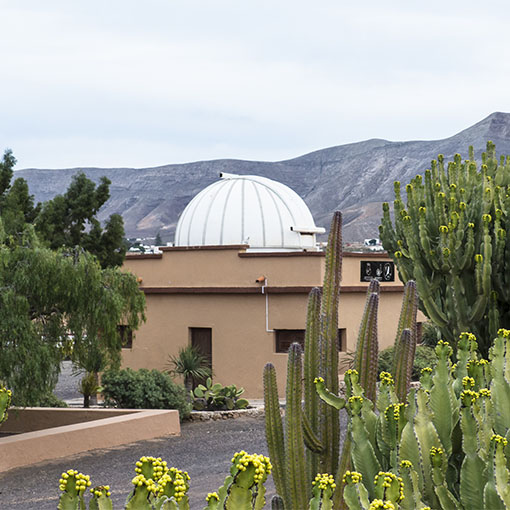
[(403, 363), (276, 503), (323, 487), (274, 433), (441, 403), (365, 361), (412, 493), (327, 396), (101, 498), (472, 476), (73, 485), (363, 456), (312, 442), (329, 421), (296, 469), (311, 369), (500, 387), (355, 494), (501, 473), (491, 497), (343, 467)]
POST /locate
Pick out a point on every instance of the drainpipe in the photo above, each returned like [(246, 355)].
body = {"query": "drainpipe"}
[(263, 289)]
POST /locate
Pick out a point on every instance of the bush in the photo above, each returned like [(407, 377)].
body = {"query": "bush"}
[(144, 389), (47, 400), (425, 357)]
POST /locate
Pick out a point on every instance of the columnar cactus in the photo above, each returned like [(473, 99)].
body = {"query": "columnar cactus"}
[(315, 429), (451, 237)]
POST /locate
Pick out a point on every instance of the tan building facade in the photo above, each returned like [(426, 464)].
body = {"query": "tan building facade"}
[(243, 308)]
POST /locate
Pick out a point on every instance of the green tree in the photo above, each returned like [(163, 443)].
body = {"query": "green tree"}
[(58, 303), (451, 237), (158, 241), (70, 220), (16, 204)]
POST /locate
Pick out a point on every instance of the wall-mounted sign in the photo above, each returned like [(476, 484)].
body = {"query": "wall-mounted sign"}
[(382, 271)]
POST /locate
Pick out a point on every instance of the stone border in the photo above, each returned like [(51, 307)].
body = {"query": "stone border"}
[(225, 415), (101, 432)]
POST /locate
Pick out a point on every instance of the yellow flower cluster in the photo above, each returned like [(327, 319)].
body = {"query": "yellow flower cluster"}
[(386, 378), (505, 333), (157, 466), (99, 491), (212, 495), (388, 479), (262, 464), (406, 464), (352, 477), (468, 383), (499, 439), (140, 481), (325, 481), (426, 370), (379, 503), (178, 479), (395, 409), (469, 397), (81, 481), (318, 380)]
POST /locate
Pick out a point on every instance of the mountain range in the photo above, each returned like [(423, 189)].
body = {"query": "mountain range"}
[(354, 178)]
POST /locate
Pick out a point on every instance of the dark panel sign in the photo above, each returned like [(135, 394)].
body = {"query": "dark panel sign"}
[(382, 271)]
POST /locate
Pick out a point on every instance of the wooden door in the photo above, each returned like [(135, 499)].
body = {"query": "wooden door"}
[(201, 339)]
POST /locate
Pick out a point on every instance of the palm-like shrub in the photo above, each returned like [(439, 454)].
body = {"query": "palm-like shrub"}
[(191, 364)]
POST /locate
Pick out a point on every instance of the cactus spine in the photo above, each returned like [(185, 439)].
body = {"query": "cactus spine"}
[(451, 237)]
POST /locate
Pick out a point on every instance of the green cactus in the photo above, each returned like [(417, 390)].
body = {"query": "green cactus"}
[(5, 402), (367, 348), (101, 498), (451, 237), (317, 429), (157, 487), (72, 485), (447, 446), (322, 492)]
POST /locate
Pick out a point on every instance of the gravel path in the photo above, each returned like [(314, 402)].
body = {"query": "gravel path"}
[(204, 449)]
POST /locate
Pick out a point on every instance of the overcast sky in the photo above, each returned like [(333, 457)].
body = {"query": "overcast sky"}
[(146, 83)]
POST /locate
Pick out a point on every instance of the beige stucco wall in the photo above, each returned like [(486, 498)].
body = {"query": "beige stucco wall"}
[(216, 289)]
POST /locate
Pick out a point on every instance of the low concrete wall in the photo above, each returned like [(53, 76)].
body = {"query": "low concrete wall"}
[(30, 419), (128, 426)]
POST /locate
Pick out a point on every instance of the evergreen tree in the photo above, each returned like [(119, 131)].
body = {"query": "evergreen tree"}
[(69, 220)]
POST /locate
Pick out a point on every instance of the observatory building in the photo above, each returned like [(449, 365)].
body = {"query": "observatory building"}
[(236, 283)]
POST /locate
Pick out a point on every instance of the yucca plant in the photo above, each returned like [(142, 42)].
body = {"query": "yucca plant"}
[(191, 364)]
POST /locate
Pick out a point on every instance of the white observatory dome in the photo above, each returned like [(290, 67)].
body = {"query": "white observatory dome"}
[(247, 209)]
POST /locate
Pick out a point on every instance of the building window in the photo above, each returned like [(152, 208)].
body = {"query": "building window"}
[(286, 337), (126, 336)]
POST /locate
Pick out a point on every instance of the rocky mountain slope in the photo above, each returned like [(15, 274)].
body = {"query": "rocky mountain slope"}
[(355, 178)]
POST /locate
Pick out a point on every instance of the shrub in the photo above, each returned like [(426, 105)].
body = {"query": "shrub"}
[(46, 400), (424, 357), (144, 389)]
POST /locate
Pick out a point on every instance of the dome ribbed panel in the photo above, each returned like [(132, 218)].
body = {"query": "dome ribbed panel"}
[(240, 209)]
